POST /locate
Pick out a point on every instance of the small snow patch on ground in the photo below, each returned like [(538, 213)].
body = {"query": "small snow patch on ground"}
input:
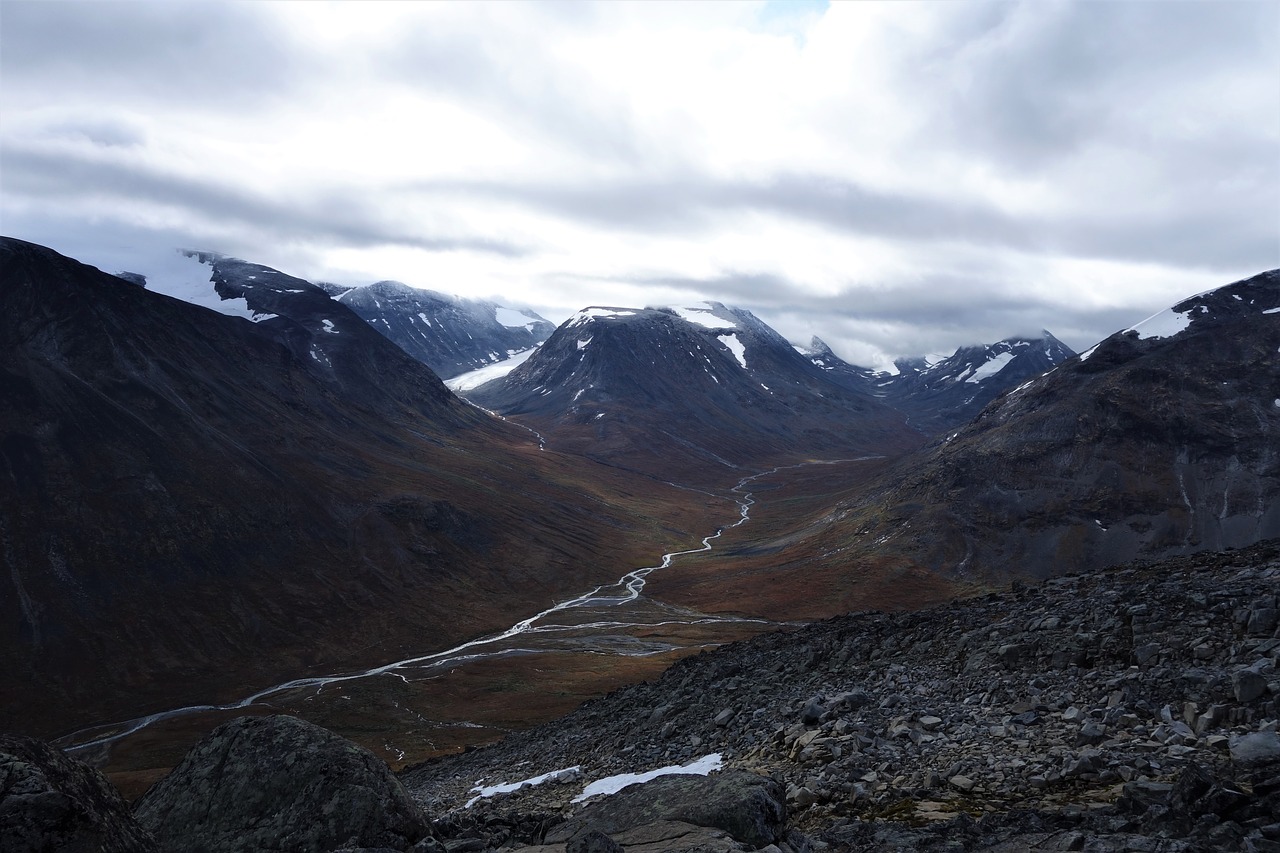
[(1272, 311), (328, 327), (613, 784), (735, 346), (583, 344), (568, 774)]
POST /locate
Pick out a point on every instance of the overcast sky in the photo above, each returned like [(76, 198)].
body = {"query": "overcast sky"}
[(897, 178)]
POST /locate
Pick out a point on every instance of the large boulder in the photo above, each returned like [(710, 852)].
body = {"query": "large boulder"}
[(49, 802), (748, 807), (279, 784)]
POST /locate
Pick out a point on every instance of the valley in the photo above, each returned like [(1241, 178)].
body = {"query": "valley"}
[(442, 702), (218, 515)]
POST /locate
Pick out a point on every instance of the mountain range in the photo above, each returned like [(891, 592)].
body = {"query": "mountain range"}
[(446, 333), (1161, 440), (943, 393), (196, 502), (706, 388)]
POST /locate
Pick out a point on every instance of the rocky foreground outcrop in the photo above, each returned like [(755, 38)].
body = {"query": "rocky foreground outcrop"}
[(1128, 709), (1133, 709), (49, 802), (279, 783)]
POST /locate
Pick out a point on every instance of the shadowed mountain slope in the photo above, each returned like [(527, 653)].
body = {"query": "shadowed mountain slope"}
[(196, 503), (1163, 439), (448, 334), (949, 392), (707, 388)]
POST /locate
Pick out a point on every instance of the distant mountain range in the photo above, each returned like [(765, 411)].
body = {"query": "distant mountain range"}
[(1163, 439), (703, 388), (942, 394), (449, 334)]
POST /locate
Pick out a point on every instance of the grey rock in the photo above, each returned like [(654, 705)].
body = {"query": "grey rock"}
[(1247, 685), (1090, 733), (1144, 653), (1256, 749), (748, 807), (50, 802), (278, 783), (813, 711), (593, 841)]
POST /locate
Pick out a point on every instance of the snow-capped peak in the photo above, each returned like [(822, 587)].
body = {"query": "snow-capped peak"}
[(588, 314), (708, 314)]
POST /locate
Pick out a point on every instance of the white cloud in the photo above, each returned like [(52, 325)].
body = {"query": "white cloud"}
[(894, 177)]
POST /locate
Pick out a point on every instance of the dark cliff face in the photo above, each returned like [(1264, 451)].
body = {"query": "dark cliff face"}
[(712, 387), (448, 334), (1156, 442), (192, 499)]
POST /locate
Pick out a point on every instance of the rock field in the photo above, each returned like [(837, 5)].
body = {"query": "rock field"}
[(1084, 712), (1130, 709)]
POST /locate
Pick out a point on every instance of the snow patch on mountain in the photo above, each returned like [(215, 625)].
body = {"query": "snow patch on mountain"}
[(476, 378), (513, 319), (990, 368), (1165, 324), (185, 277), (702, 315), (734, 346), (587, 314)]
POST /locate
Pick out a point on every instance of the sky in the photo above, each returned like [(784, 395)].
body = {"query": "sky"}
[(897, 178)]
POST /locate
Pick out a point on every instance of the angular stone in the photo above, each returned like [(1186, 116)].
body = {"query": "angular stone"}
[(1256, 749), (813, 711), (1090, 733), (593, 841), (748, 807), (1247, 685), (1146, 652), (962, 783)]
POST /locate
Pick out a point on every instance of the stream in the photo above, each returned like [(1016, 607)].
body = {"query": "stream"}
[(614, 621)]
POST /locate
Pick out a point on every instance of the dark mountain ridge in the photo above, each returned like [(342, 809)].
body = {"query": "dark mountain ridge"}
[(448, 334), (196, 503), (709, 387), (1160, 440), (949, 392)]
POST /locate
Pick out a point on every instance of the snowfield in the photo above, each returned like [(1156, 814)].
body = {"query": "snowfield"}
[(476, 378)]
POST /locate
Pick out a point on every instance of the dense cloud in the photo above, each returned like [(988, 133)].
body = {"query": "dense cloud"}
[(895, 178)]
